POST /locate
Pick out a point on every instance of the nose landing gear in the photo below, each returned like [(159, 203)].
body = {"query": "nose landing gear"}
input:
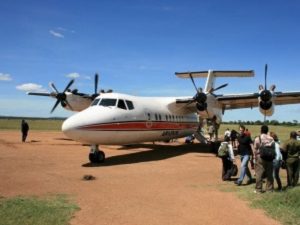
[(96, 156)]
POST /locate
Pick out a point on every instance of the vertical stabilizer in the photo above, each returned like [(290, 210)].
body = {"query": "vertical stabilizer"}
[(210, 81)]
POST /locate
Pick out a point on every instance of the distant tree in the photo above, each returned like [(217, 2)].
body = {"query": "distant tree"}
[(274, 122), (257, 122)]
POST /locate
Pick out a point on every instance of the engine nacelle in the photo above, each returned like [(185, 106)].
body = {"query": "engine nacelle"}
[(201, 106), (266, 107), (265, 101)]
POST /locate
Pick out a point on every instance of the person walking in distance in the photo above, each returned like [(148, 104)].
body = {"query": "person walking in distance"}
[(24, 130)]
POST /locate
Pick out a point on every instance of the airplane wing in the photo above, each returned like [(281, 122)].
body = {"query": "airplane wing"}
[(250, 100), (235, 101)]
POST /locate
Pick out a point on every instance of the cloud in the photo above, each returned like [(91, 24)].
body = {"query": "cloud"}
[(31, 87), (65, 30), (5, 77), (87, 77), (56, 34), (73, 75), (60, 32)]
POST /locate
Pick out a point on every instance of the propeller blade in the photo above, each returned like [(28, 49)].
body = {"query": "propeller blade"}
[(215, 89), (193, 82), (96, 83), (53, 87), (266, 70), (69, 84), (40, 94), (56, 104)]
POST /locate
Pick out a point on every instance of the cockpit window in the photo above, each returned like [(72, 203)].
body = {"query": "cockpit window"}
[(108, 102), (121, 104), (129, 105), (95, 102)]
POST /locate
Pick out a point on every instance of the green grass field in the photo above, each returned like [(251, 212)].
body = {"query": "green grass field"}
[(53, 210), (282, 206), (15, 124)]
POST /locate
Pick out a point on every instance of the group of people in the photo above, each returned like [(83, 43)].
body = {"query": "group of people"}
[(266, 156)]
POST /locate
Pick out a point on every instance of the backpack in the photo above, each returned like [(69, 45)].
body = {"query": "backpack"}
[(223, 150), (267, 151)]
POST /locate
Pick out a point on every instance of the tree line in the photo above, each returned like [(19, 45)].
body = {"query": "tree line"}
[(267, 122)]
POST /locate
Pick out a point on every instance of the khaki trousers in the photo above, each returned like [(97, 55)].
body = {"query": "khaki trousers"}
[(264, 169)]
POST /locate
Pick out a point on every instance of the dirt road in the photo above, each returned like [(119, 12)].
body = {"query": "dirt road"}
[(142, 184)]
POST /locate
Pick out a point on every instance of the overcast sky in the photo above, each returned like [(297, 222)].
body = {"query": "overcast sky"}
[(137, 45)]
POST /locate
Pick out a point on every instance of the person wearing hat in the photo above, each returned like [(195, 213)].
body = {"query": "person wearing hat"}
[(292, 147)]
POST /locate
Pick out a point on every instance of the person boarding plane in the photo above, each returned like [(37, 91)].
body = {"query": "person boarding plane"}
[(119, 119)]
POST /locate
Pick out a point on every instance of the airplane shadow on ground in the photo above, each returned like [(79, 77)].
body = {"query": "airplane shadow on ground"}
[(156, 152)]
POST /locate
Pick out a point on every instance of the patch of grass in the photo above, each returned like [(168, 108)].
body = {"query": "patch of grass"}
[(55, 210), (282, 206), (15, 124)]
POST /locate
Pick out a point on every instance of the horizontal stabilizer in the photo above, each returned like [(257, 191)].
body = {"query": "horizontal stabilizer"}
[(217, 73)]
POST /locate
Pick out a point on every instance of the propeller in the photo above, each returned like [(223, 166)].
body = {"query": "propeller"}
[(201, 97), (60, 96)]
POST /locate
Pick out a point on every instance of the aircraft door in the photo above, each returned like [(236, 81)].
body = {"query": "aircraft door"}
[(148, 118)]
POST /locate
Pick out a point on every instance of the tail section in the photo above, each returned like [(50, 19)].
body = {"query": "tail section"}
[(211, 75)]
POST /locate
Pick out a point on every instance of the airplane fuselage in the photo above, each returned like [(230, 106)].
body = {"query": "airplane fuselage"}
[(115, 119)]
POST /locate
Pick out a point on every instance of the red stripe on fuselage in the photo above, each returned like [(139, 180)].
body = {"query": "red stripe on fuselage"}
[(142, 125)]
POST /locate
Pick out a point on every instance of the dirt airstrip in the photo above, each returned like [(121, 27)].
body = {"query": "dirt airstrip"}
[(142, 184)]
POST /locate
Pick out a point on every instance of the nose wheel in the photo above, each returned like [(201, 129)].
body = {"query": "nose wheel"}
[(96, 156)]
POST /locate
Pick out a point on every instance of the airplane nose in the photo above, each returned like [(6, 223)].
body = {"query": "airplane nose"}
[(69, 127)]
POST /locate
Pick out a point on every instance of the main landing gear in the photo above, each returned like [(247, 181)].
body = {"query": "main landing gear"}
[(96, 156)]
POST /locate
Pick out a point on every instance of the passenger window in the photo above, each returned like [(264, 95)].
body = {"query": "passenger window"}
[(129, 105), (156, 118), (159, 116), (121, 104), (95, 102)]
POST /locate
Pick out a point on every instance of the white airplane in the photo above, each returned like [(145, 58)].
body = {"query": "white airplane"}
[(71, 99), (120, 119)]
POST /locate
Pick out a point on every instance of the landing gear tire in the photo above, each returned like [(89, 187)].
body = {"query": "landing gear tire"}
[(97, 157)]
